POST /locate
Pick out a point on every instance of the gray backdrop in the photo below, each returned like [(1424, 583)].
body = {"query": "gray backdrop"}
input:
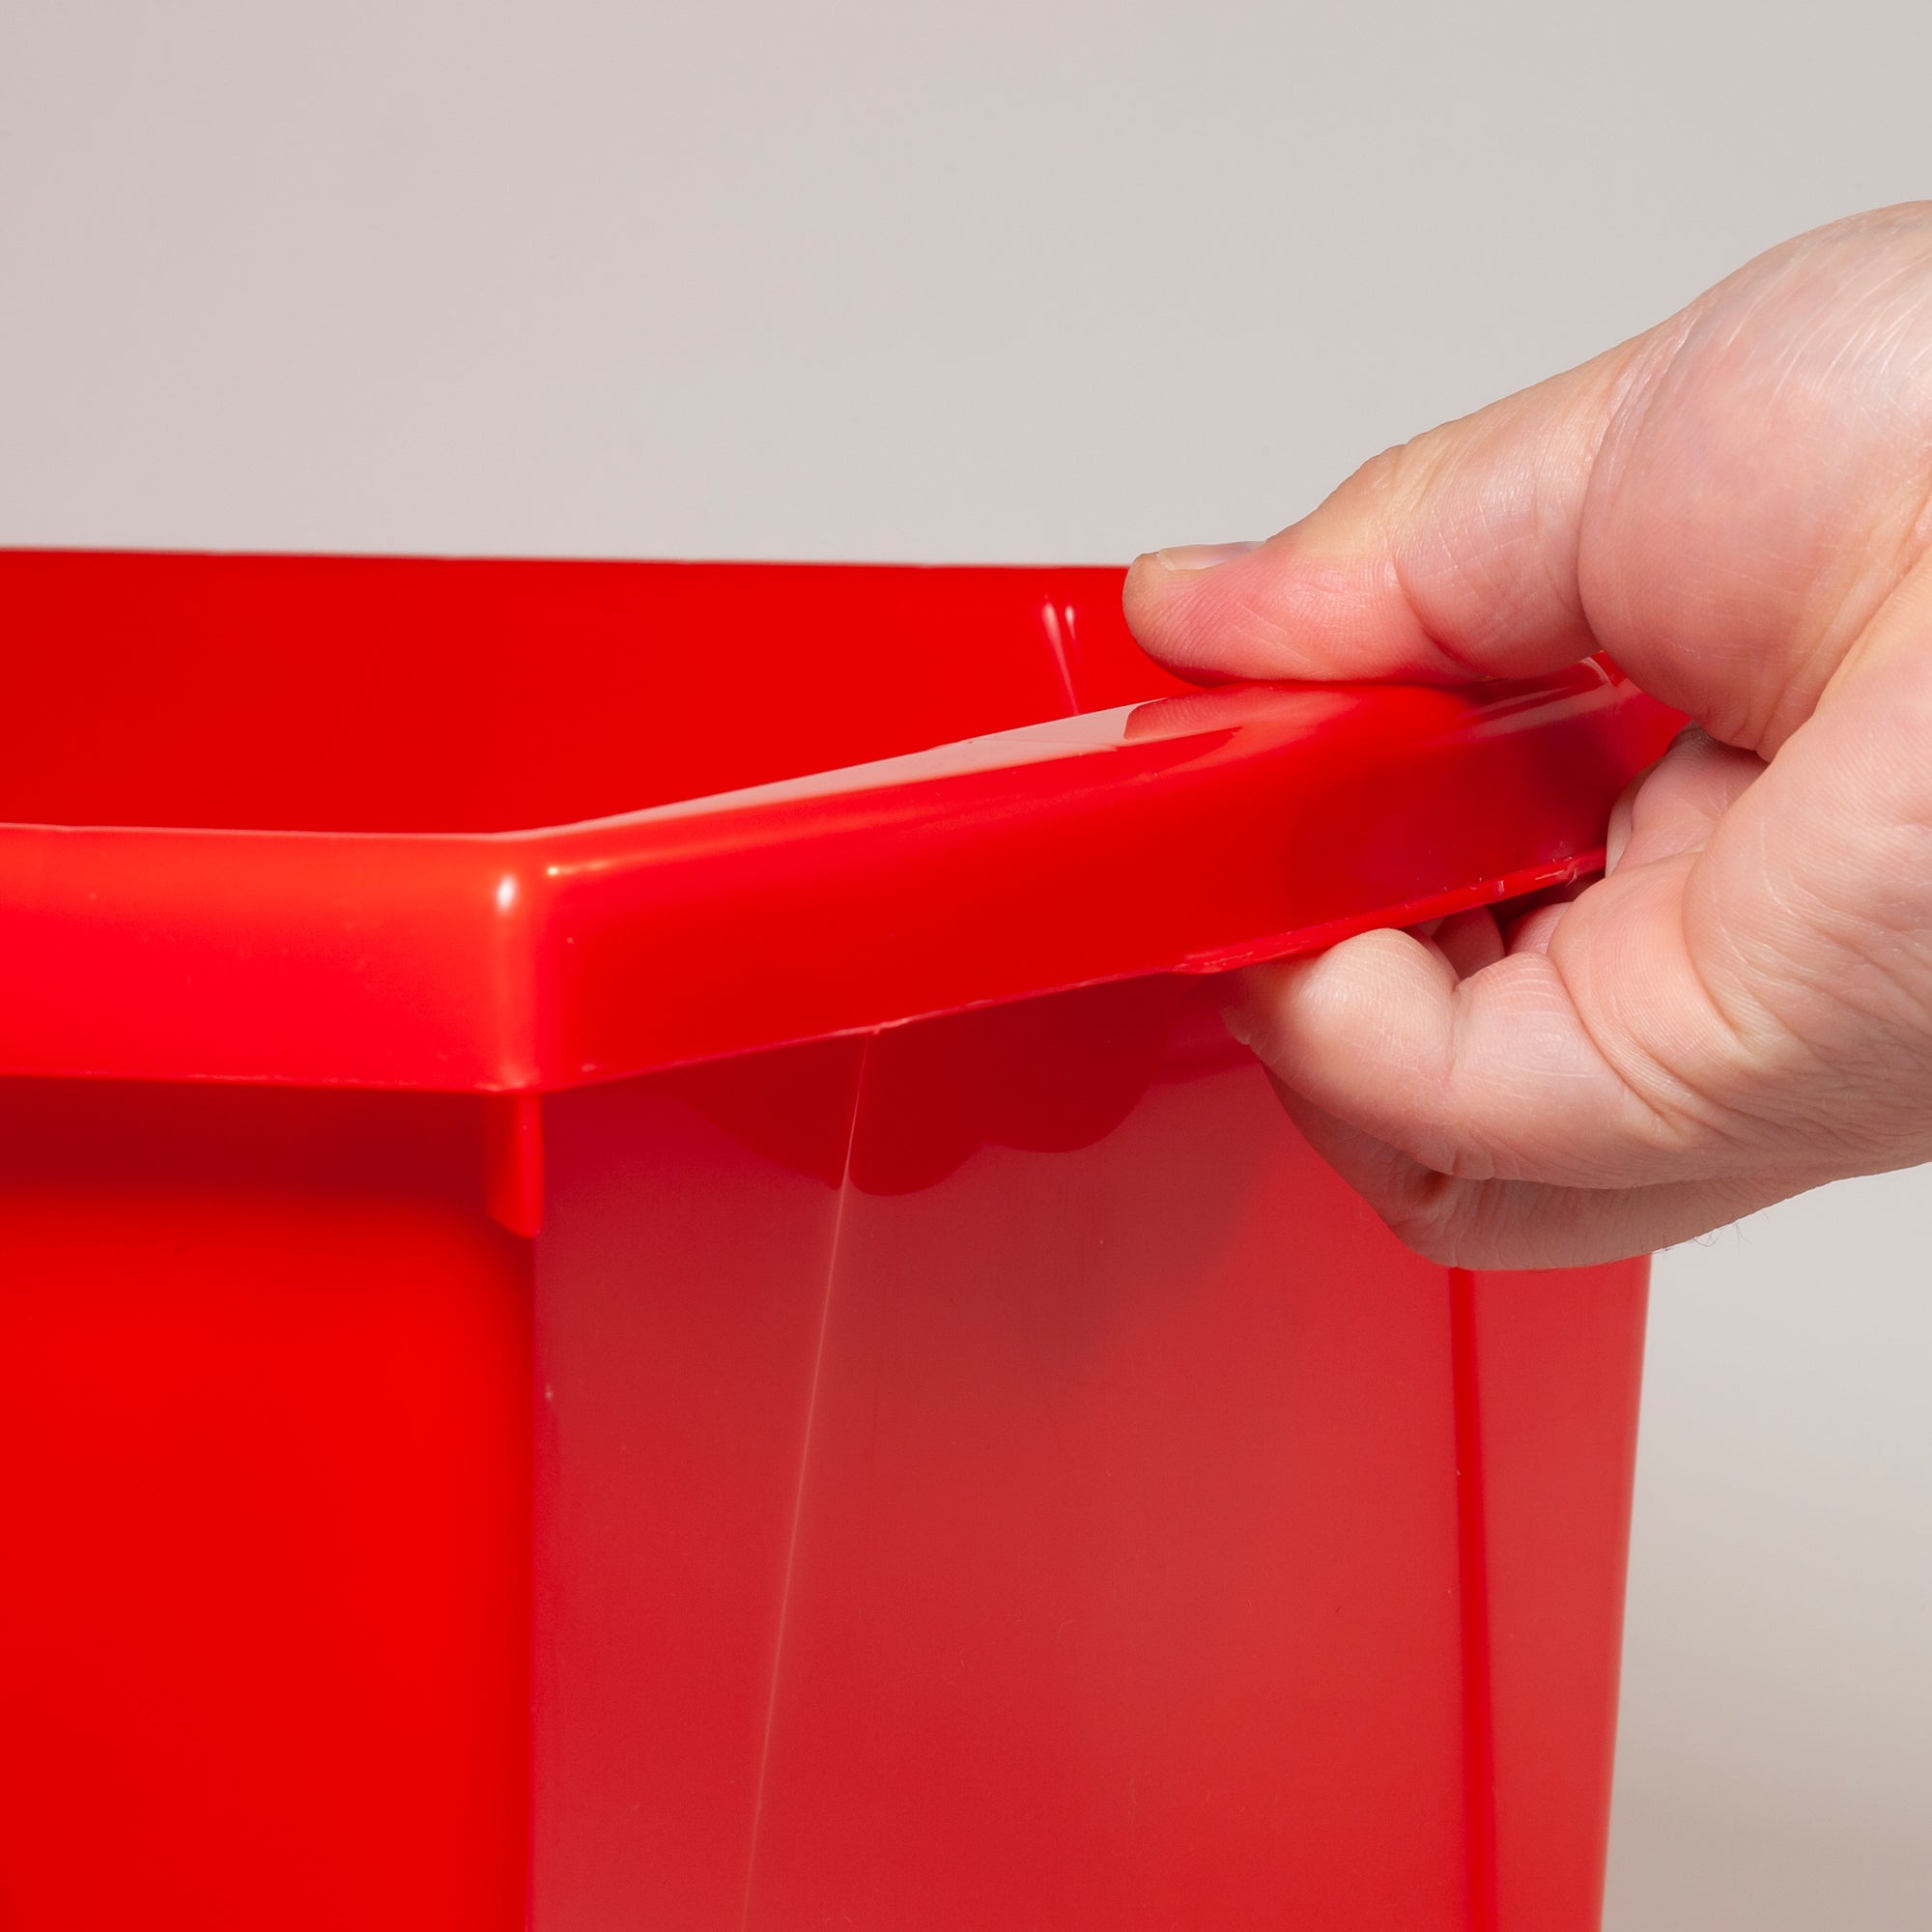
[(1042, 281)]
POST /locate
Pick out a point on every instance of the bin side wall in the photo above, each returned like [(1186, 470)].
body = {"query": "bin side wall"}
[(681, 1281), (265, 1526), (1124, 1585), (1559, 1363), (1030, 1500)]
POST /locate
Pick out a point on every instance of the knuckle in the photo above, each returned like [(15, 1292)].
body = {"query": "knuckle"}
[(1429, 1214), (1393, 481)]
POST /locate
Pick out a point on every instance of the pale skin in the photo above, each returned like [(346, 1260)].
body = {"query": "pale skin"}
[(1737, 506)]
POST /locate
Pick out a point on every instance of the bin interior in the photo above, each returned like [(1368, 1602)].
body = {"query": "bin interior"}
[(304, 694)]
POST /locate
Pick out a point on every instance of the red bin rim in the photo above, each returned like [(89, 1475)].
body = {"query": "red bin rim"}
[(1189, 832)]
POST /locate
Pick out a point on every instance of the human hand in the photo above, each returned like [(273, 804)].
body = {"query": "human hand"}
[(1738, 508)]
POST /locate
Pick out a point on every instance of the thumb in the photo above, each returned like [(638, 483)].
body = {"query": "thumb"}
[(1724, 504), (1448, 558)]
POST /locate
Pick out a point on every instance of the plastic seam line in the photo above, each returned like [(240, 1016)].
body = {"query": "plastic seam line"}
[(804, 1472)]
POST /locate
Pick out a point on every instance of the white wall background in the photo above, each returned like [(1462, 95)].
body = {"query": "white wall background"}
[(1044, 281)]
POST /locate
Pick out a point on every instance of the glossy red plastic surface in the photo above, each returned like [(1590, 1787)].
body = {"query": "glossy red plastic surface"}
[(1075, 1491), (959, 1461), (269, 775), (264, 1527)]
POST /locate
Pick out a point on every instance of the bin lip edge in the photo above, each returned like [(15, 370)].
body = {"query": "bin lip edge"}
[(1463, 709), (469, 983)]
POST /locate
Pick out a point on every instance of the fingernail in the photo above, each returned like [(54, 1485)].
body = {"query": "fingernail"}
[(1237, 1012), (1202, 557), (1234, 1018)]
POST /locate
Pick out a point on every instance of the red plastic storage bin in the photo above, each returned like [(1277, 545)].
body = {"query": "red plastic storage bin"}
[(631, 1300)]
